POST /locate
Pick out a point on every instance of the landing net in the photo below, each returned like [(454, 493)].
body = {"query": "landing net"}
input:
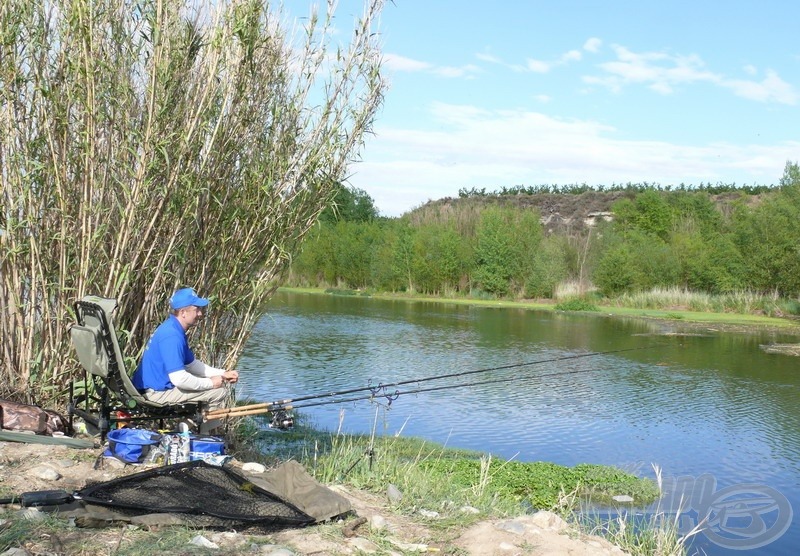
[(212, 495)]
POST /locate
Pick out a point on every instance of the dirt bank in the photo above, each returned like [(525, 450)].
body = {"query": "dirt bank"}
[(35, 467)]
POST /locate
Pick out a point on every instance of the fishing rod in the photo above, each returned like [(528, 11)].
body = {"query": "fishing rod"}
[(396, 394), (280, 408)]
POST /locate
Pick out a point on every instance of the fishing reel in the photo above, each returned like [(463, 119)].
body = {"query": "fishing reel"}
[(281, 420)]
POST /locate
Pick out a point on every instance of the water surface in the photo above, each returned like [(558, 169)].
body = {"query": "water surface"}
[(714, 411)]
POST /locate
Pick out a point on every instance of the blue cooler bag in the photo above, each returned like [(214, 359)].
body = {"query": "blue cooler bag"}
[(131, 445), (203, 447)]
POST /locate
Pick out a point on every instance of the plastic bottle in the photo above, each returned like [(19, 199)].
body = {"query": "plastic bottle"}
[(184, 446), (173, 452)]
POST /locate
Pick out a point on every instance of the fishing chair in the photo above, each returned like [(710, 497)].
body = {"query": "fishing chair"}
[(108, 396)]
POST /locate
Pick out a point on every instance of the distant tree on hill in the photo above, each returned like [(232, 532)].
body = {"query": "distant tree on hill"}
[(350, 204)]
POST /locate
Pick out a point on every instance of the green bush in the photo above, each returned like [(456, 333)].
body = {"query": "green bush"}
[(576, 304)]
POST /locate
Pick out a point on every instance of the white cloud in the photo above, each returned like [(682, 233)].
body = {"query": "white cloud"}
[(592, 45), (542, 66), (401, 63), (662, 73), (473, 147), (538, 66), (488, 58), (656, 70), (394, 62), (770, 89), (468, 70)]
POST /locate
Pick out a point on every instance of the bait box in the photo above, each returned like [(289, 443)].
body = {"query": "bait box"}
[(202, 447)]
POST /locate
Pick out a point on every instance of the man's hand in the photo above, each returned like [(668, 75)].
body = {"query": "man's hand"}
[(217, 381), (231, 376)]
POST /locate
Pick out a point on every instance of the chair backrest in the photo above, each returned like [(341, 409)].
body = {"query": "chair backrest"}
[(95, 340)]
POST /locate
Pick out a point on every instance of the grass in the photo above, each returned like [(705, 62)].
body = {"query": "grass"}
[(655, 533), (460, 486), (741, 302), (433, 478)]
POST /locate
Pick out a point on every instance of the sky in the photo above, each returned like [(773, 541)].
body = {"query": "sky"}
[(507, 93)]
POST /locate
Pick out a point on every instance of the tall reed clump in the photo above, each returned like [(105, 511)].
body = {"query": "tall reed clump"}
[(152, 144), (741, 302)]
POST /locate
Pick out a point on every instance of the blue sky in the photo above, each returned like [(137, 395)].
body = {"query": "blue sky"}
[(493, 94)]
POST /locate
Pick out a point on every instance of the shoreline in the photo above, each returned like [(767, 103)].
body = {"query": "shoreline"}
[(724, 322)]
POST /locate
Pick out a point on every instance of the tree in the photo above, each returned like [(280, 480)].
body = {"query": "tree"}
[(148, 145), (439, 259), (768, 237), (506, 243), (350, 204), (648, 212)]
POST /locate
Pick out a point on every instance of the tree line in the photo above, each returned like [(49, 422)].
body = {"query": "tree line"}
[(694, 239)]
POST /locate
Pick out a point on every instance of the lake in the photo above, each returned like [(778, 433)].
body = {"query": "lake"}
[(713, 410)]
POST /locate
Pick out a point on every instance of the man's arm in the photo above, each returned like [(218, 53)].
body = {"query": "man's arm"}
[(187, 381), (200, 369)]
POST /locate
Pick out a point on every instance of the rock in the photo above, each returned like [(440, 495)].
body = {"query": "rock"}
[(409, 547), (507, 546), (364, 545), (469, 510), (65, 463), (378, 522), (512, 526), (157, 520), (394, 493), (429, 514), (278, 552), (45, 472), (32, 514), (253, 467), (203, 542), (15, 552), (339, 489), (112, 463), (622, 498), (548, 520), (228, 539)]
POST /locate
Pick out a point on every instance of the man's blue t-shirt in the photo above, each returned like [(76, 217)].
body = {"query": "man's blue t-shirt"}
[(167, 351)]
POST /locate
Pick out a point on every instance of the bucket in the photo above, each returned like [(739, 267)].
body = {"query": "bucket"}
[(131, 445)]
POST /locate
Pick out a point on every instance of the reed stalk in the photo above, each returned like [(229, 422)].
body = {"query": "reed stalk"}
[(150, 145)]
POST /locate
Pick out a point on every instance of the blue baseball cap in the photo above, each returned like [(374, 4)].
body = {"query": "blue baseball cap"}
[(186, 297)]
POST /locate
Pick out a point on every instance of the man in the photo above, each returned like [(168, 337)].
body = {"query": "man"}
[(169, 373)]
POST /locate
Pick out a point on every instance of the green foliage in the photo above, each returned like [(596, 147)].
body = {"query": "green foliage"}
[(648, 212), (634, 261), (506, 244), (548, 267), (576, 304), (581, 188), (350, 204), (495, 263), (543, 484), (438, 260), (768, 235), (660, 238)]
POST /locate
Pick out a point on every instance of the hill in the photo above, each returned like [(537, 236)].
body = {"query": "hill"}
[(566, 212)]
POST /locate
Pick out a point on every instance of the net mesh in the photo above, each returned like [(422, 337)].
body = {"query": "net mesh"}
[(204, 493)]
